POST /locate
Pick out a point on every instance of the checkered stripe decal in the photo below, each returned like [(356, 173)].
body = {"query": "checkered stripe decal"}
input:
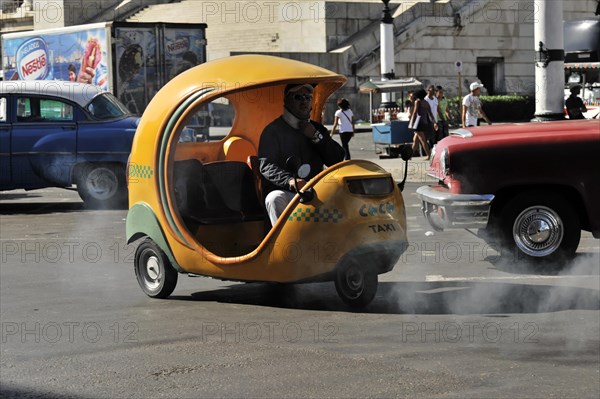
[(316, 215), (140, 171)]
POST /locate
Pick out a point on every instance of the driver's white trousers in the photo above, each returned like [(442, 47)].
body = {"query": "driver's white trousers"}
[(276, 202)]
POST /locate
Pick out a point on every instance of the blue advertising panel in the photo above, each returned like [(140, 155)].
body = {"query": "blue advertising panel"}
[(148, 55), (73, 55), (135, 62), (183, 48)]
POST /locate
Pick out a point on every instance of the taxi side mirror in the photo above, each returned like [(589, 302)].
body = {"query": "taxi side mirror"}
[(406, 153), (292, 164)]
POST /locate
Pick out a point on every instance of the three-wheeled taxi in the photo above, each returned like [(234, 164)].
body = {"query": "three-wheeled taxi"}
[(198, 206)]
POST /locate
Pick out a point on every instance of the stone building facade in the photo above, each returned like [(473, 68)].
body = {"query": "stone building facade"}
[(492, 38)]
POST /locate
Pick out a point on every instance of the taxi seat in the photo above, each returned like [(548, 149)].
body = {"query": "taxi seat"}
[(216, 192), (237, 148), (254, 164)]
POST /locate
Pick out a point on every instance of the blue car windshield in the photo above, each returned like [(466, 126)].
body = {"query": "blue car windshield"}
[(106, 106)]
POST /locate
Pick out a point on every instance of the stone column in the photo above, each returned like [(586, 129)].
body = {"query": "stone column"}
[(549, 60), (386, 48)]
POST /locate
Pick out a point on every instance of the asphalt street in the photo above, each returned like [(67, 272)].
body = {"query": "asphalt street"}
[(455, 318)]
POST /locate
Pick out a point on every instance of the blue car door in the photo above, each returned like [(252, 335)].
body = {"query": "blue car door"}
[(43, 142), (5, 171)]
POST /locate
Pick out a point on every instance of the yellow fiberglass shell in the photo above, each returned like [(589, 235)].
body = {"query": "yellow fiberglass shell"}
[(310, 239), (294, 249), (253, 84)]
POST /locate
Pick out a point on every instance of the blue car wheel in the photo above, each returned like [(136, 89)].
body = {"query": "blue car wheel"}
[(102, 185)]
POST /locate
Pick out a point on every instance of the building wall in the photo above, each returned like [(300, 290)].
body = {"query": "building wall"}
[(427, 45), (427, 41), (336, 34), (578, 9), (307, 26), (499, 29), (79, 12), (344, 19)]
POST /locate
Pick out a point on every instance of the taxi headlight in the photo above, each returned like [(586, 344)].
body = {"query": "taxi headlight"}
[(373, 186)]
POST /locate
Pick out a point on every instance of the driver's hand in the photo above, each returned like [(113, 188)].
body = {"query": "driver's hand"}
[(307, 129), (294, 187)]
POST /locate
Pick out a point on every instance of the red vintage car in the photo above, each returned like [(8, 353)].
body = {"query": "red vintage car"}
[(532, 186)]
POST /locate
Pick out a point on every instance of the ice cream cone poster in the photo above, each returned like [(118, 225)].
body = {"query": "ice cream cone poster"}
[(52, 56)]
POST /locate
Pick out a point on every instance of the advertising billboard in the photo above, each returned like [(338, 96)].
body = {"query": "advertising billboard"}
[(131, 60), (76, 55), (149, 55)]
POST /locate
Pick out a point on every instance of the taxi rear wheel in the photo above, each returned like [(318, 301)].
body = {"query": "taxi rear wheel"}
[(155, 274), (356, 285), (102, 185)]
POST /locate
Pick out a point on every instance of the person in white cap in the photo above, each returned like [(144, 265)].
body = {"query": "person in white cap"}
[(471, 107), (293, 134)]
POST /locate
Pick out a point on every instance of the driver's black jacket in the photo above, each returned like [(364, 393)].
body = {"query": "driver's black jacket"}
[(279, 141)]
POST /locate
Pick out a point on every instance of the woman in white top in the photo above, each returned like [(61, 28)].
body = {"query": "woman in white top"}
[(344, 118)]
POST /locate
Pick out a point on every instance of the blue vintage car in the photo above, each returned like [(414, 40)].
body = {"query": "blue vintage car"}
[(56, 134)]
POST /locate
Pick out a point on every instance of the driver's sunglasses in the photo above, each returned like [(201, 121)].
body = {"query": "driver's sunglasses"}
[(303, 97)]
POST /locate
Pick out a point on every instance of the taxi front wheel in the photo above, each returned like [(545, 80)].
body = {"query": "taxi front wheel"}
[(355, 285), (153, 271)]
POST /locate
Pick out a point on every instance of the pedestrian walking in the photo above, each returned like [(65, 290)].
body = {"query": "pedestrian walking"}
[(434, 105), (422, 122), (443, 114), (471, 107), (344, 118), (574, 104), (409, 104)]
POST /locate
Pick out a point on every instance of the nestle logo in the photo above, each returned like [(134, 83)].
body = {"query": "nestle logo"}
[(32, 59), (34, 65), (178, 46)]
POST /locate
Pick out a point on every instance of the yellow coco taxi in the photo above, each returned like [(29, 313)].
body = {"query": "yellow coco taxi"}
[(198, 205)]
